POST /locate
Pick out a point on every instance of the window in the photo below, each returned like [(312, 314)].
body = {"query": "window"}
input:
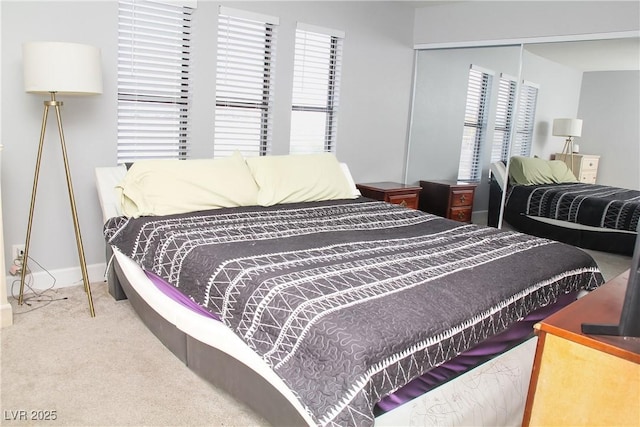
[(475, 123), (526, 119), (316, 81), (244, 76), (154, 44), (504, 119)]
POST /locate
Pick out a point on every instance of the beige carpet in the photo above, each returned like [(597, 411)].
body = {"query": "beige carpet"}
[(103, 371)]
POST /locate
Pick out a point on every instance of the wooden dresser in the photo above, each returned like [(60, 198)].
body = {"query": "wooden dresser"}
[(583, 379), (449, 199), (585, 166), (392, 192)]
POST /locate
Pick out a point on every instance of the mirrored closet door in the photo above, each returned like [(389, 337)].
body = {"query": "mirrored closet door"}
[(596, 80), (443, 77)]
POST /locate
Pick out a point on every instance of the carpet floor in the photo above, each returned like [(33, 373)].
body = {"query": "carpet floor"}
[(105, 371)]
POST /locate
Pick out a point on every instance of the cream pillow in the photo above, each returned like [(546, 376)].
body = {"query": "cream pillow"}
[(165, 187), (299, 178), (533, 170)]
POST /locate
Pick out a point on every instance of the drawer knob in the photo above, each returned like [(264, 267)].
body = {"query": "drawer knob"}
[(463, 198), (460, 215), (403, 203)]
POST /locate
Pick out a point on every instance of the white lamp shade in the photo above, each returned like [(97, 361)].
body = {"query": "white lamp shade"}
[(67, 68), (567, 127)]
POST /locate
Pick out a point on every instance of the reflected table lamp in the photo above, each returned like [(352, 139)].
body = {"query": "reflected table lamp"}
[(59, 68), (569, 128)]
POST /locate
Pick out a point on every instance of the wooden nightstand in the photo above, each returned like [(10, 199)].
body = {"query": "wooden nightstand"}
[(585, 166), (583, 379), (449, 199), (391, 192)]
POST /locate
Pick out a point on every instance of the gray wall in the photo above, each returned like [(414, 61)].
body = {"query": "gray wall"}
[(610, 108), (373, 117), (558, 96)]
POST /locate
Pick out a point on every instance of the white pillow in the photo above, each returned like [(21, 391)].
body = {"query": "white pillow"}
[(165, 187), (299, 178), (107, 178), (499, 169)]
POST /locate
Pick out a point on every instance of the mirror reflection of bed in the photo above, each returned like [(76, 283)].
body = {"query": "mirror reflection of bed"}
[(594, 80), (601, 217)]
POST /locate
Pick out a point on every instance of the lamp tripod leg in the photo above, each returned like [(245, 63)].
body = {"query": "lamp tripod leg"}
[(34, 190), (568, 150), (74, 214)]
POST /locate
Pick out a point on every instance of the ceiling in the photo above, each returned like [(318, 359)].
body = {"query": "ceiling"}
[(592, 55)]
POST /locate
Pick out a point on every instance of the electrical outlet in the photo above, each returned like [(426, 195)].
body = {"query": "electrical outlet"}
[(17, 251)]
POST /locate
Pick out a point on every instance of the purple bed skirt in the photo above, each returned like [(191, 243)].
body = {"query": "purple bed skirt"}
[(471, 358), (437, 376)]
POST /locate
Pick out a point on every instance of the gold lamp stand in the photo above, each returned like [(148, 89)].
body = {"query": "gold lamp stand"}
[(568, 150), (74, 214), (568, 128)]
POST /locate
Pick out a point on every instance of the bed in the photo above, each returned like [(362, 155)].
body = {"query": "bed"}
[(340, 310), (551, 203)]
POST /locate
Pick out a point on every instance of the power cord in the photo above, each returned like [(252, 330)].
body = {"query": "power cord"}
[(34, 296)]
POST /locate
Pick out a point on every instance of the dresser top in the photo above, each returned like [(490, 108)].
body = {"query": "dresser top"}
[(386, 186), (602, 306), (450, 183), (595, 156)]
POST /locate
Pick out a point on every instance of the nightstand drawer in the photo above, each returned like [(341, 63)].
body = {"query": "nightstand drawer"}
[(460, 214), (587, 177), (449, 199), (461, 197), (590, 164), (406, 200)]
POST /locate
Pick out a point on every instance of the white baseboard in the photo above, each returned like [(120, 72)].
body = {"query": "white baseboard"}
[(6, 315), (64, 277)]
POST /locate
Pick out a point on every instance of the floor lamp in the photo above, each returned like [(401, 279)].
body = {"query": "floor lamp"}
[(59, 68), (569, 128)]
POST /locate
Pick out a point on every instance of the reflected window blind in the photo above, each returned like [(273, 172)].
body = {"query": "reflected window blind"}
[(316, 83), (504, 118), (475, 123), (244, 82), (154, 49), (526, 119)]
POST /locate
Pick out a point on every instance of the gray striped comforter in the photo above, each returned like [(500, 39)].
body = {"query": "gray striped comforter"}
[(349, 300), (587, 204)]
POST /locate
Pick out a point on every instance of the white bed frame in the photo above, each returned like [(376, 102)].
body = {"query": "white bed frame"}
[(491, 394)]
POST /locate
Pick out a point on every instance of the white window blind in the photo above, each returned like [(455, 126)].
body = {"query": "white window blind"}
[(504, 118), (316, 83), (154, 48), (244, 82), (475, 123), (523, 135), (526, 119)]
